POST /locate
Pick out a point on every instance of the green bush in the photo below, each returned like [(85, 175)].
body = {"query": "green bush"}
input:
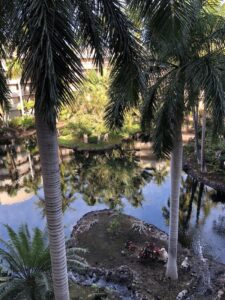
[(24, 122), (86, 115)]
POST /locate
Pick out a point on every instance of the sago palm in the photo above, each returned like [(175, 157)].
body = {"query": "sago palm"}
[(177, 64), (26, 258), (49, 37)]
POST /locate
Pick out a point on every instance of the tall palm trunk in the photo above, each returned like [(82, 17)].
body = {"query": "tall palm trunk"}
[(175, 169), (48, 147), (203, 167)]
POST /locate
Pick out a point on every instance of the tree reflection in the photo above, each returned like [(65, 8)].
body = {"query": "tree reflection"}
[(219, 225), (192, 192), (107, 179), (68, 192), (101, 179), (159, 174)]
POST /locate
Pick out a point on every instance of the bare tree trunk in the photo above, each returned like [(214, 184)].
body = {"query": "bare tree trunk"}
[(48, 147), (175, 169), (195, 119), (203, 167)]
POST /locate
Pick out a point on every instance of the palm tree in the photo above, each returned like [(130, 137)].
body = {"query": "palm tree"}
[(27, 259), (5, 9), (179, 61), (49, 37)]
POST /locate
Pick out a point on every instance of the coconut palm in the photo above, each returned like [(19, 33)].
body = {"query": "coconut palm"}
[(49, 37), (179, 62)]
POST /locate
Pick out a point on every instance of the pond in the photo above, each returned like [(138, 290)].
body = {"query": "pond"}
[(129, 181)]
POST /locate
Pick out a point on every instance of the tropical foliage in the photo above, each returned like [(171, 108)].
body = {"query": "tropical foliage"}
[(183, 59), (25, 122), (107, 179), (86, 114), (26, 258)]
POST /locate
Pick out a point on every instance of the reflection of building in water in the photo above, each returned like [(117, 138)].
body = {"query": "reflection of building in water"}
[(17, 162), (20, 170), (146, 158)]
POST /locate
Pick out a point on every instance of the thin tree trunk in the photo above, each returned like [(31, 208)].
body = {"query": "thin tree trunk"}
[(193, 190), (175, 169), (48, 147), (195, 119), (203, 167)]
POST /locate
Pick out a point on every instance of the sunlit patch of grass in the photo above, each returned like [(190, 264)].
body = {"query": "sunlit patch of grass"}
[(75, 142)]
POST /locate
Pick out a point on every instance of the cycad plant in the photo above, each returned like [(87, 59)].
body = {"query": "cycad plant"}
[(49, 37), (26, 258), (179, 64)]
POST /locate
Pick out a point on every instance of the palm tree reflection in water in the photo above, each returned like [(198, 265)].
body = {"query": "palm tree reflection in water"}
[(102, 179), (196, 202)]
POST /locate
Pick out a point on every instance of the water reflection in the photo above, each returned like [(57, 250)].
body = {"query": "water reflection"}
[(107, 179), (92, 182), (19, 164)]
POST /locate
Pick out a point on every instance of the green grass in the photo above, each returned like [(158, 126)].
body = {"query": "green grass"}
[(70, 141)]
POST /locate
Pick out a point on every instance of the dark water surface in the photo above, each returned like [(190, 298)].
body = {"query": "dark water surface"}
[(136, 185)]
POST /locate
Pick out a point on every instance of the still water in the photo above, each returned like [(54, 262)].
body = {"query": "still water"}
[(134, 184)]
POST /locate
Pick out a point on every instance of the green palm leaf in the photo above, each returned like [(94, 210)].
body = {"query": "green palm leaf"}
[(49, 54)]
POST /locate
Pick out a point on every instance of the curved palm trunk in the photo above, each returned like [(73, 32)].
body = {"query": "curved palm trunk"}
[(175, 169), (48, 147)]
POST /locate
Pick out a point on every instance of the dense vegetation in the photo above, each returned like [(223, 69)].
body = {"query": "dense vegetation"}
[(86, 116), (163, 69)]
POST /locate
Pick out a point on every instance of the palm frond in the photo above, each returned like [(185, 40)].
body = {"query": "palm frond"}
[(88, 29), (10, 289), (74, 260), (207, 74), (167, 19), (49, 53), (170, 116), (127, 83), (127, 78), (152, 96), (28, 260)]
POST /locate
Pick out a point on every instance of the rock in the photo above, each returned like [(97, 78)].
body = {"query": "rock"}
[(219, 295), (122, 275), (163, 255), (185, 264), (181, 295)]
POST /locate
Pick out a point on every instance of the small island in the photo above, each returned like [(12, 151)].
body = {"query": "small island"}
[(123, 262)]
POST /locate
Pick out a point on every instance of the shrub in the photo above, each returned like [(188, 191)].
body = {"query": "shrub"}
[(27, 260), (24, 122)]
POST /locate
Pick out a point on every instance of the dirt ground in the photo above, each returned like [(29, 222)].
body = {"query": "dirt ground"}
[(107, 233)]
